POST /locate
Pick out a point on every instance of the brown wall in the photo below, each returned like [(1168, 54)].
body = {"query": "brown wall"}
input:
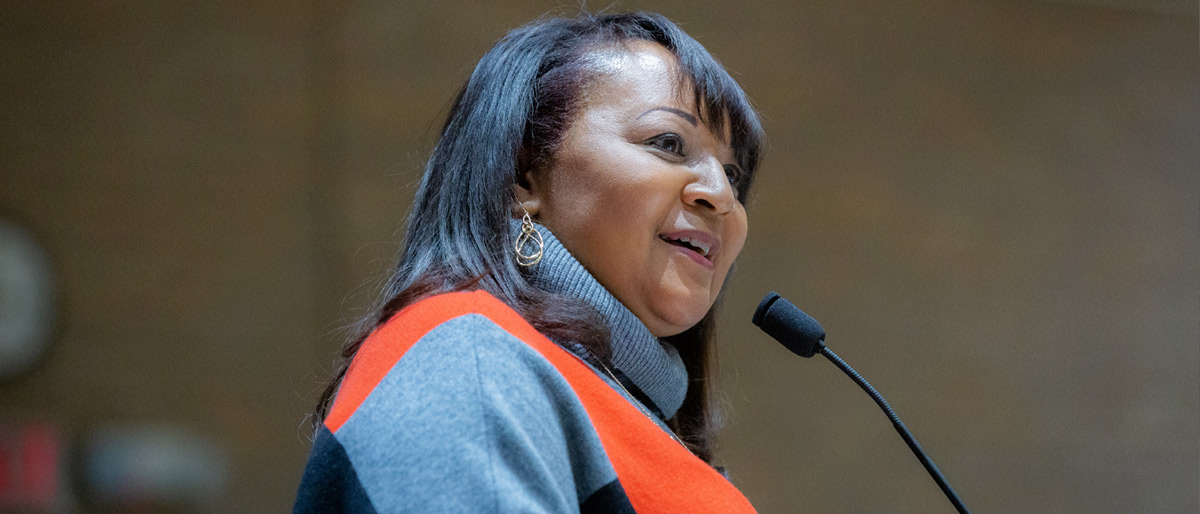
[(993, 207)]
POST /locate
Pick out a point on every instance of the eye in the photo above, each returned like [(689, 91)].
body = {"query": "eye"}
[(736, 175), (670, 142)]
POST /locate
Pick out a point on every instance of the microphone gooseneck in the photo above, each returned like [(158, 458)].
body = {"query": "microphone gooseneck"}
[(801, 334)]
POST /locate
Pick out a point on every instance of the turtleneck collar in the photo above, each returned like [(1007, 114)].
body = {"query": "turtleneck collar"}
[(653, 367)]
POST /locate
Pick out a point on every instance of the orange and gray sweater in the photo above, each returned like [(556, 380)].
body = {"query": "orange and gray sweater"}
[(457, 404)]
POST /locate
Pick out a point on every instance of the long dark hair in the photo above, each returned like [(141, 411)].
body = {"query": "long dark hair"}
[(508, 119)]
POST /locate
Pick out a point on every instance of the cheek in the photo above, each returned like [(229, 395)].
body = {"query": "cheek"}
[(735, 236), (618, 190), (600, 208)]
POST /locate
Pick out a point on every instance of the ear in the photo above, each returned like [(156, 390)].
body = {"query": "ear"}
[(528, 195)]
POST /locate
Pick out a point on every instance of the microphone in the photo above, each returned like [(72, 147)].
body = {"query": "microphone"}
[(801, 334), (789, 325)]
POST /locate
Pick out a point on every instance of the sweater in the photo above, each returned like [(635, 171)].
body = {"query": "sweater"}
[(457, 404)]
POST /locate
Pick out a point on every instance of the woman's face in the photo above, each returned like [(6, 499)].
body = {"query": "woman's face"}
[(640, 191)]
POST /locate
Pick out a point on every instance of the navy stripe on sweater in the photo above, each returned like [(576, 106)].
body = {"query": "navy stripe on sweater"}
[(330, 483)]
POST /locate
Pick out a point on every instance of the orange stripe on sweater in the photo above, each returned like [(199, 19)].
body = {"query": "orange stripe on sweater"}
[(658, 474)]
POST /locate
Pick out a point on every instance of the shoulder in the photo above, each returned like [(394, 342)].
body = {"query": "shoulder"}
[(458, 391), (450, 342)]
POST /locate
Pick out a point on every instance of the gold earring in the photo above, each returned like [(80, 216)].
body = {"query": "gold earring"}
[(529, 236)]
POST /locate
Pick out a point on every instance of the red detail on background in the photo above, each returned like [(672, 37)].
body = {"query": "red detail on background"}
[(30, 458)]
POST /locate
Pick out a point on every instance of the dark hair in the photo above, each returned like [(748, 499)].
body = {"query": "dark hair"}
[(508, 119)]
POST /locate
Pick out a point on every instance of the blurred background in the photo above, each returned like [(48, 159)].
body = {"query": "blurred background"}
[(992, 206)]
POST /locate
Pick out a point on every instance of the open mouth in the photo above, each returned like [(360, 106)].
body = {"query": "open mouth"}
[(692, 244)]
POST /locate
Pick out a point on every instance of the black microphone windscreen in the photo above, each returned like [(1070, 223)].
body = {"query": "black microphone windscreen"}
[(789, 325)]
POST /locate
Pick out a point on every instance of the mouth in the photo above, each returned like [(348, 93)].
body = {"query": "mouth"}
[(702, 245)]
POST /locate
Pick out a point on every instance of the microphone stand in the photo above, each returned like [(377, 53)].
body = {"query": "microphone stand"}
[(903, 430), (804, 336)]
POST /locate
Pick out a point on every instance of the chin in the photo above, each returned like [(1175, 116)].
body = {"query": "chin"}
[(675, 321)]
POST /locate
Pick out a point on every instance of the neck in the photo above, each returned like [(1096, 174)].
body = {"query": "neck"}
[(652, 367)]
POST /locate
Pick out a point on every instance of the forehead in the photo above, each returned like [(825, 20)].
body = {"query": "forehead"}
[(638, 58), (639, 76)]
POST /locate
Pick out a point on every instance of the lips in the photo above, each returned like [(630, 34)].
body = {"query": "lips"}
[(701, 243)]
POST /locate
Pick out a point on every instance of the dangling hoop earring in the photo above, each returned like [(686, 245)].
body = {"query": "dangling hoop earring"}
[(529, 236)]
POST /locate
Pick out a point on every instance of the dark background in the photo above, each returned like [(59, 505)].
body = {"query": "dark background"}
[(992, 206)]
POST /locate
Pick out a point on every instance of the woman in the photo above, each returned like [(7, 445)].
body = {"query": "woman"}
[(546, 342)]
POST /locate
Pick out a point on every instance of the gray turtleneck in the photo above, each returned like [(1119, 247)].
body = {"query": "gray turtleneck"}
[(650, 365)]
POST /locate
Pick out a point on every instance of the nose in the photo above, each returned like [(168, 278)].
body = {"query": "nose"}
[(710, 187)]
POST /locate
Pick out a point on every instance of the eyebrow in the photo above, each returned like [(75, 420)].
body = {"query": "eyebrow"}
[(682, 114)]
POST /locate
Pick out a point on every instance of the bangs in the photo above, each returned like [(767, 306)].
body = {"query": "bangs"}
[(722, 104)]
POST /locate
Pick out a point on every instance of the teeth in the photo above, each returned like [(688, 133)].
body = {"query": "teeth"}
[(700, 245)]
